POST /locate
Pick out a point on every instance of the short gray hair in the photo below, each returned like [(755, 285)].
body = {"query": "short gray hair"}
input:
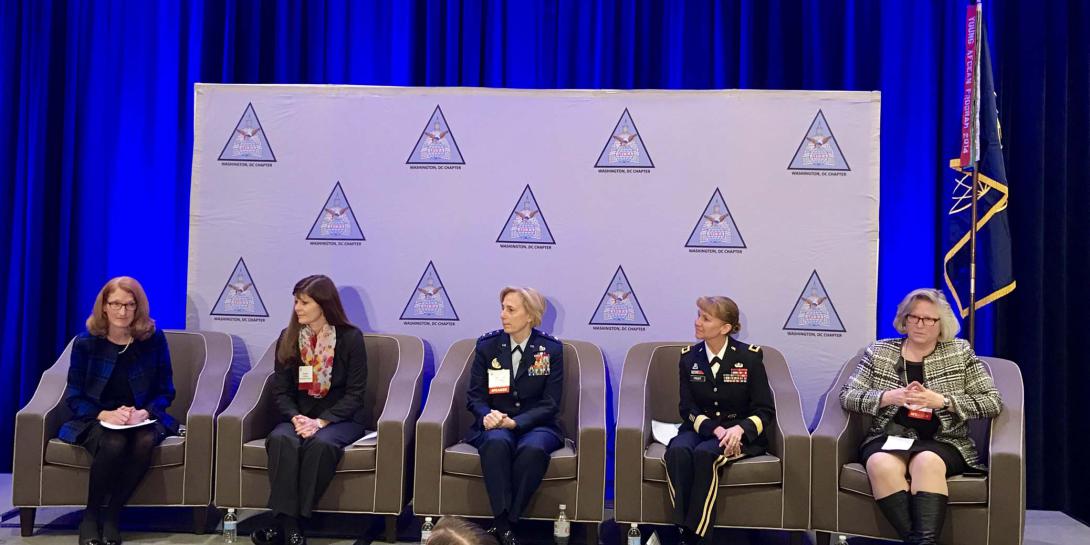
[(947, 321), (531, 299)]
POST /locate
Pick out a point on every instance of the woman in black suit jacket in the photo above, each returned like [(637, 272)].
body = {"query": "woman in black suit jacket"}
[(321, 373)]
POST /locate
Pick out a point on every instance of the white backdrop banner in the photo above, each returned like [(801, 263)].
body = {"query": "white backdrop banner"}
[(622, 207)]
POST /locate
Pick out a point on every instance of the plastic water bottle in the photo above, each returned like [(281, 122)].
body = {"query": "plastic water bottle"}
[(633, 534), (230, 526), (562, 527), (842, 540), (425, 530)]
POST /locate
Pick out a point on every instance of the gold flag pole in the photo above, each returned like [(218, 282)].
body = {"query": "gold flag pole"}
[(975, 142)]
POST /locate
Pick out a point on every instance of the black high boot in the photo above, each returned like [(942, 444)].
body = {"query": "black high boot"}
[(897, 508), (928, 515)]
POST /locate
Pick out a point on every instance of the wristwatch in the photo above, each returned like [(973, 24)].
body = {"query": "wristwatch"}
[(945, 401)]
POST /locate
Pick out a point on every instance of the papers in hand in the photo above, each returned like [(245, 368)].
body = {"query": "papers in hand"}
[(663, 432), (894, 442), (126, 426)]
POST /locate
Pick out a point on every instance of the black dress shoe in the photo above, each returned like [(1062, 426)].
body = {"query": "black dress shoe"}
[(270, 535), (90, 541), (493, 531), (113, 541), (509, 538), (295, 537)]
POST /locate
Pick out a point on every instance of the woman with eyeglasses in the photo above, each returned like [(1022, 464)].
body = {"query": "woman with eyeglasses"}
[(120, 384), (921, 390)]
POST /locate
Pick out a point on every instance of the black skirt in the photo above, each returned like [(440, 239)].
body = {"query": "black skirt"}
[(955, 464), (90, 438)]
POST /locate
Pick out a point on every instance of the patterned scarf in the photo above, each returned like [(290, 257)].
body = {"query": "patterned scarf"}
[(316, 350)]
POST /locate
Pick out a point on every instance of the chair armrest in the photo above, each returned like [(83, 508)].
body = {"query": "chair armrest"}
[(35, 425), (834, 442), (250, 415), (633, 433), (591, 441), (200, 419), (397, 424), (792, 441), (436, 428), (1007, 461)]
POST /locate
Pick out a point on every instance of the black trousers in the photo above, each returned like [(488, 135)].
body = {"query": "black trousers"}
[(300, 469), (513, 465), (692, 474)]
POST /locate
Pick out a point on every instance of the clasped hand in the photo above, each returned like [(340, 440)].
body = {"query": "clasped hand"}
[(306, 427), (915, 396), (123, 416), (730, 439), (496, 419)]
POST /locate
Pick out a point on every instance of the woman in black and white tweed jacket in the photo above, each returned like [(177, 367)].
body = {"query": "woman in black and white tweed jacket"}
[(921, 389)]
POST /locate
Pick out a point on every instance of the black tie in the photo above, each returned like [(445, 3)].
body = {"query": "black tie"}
[(715, 365), (517, 349)]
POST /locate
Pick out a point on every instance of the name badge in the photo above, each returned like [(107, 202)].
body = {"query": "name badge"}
[(306, 376), (499, 381)]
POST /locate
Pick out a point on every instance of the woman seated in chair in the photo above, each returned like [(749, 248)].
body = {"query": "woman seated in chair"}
[(318, 387), (726, 406), (120, 384), (514, 394), (921, 389)]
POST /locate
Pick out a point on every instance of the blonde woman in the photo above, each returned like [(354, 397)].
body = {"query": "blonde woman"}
[(921, 389), (514, 394)]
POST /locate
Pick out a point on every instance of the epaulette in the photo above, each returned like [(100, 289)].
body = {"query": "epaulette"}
[(548, 336), (754, 348), (686, 349), (489, 334)]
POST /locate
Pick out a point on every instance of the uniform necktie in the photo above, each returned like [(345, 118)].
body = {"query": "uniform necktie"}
[(516, 358), (715, 365)]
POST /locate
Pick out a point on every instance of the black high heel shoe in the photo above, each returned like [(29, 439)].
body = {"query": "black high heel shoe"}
[(88, 533)]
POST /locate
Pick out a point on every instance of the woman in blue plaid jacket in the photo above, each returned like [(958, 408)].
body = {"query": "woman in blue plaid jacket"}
[(921, 390), (119, 387)]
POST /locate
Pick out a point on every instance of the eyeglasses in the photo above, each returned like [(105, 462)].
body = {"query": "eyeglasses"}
[(114, 305), (912, 319)]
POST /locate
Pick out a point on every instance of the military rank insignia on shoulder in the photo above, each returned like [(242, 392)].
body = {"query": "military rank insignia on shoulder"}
[(754, 348), (686, 349), (489, 334)]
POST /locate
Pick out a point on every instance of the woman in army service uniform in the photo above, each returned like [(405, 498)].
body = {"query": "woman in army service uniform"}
[(726, 405)]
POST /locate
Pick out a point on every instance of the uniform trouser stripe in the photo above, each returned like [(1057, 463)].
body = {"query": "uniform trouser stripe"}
[(669, 485), (709, 502)]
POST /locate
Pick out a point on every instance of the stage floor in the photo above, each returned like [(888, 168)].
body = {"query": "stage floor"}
[(57, 526)]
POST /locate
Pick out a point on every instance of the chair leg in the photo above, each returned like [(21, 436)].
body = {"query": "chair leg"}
[(592, 533), (26, 520), (823, 538), (391, 528), (200, 519)]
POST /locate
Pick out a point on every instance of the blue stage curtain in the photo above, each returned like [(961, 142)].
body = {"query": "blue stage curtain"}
[(96, 137)]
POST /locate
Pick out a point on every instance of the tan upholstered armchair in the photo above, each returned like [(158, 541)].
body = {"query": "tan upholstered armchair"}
[(448, 471), (768, 491), (372, 477), (986, 510), (50, 472)]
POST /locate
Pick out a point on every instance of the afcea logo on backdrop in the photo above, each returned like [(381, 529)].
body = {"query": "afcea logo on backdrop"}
[(429, 304), (247, 146), (814, 314), (336, 223), (625, 152), (715, 230), (526, 226), (239, 300), (819, 154), (619, 309), (436, 148)]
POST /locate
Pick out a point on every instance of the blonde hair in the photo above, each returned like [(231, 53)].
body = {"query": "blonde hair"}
[(458, 531), (142, 324), (723, 308), (948, 323), (531, 299)]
